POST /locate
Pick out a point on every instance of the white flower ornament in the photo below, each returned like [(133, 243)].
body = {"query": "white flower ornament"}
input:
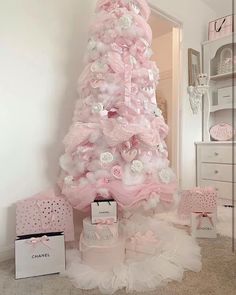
[(125, 22), (106, 158), (137, 166), (165, 175)]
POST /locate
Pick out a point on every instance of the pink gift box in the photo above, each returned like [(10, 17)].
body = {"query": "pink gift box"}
[(141, 246), (197, 200), (220, 27), (44, 213)]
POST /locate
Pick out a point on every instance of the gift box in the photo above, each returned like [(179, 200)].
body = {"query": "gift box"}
[(197, 200), (42, 213), (103, 210), (40, 254), (203, 225), (141, 246)]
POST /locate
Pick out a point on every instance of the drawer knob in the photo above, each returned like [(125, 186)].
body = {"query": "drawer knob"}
[(216, 171), (216, 154)]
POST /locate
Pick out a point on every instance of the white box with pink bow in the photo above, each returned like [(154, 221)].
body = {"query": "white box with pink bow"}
[(203, 225), (40, 254)]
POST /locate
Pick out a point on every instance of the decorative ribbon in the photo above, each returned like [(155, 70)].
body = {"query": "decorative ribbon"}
[(128, 78), (201, 215), (35, 241), (109, 223)]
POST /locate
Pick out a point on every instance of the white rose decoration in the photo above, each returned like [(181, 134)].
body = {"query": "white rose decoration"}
[(161, 148), (106, 158), (156, 111), (125, 22), (137, 166), (99, 67), (97, 108), (166, 175), (92, 44), (68, 180)]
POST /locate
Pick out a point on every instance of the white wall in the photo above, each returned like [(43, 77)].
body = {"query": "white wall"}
[(42, 44), (41, 49)]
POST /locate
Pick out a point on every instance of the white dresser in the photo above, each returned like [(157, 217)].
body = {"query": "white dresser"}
[(215, 168)]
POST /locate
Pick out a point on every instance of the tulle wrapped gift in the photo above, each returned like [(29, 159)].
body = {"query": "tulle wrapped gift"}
[(141, 246), (197, 200), (44, 213)]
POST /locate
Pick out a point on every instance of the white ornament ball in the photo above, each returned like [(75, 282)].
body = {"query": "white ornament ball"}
[(97, 108)]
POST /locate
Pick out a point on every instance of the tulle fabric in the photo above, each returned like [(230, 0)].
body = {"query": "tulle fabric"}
[(126, 196), (178, 252)]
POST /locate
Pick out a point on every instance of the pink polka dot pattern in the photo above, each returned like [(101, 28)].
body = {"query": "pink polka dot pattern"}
[(197, 200), (41, 216)]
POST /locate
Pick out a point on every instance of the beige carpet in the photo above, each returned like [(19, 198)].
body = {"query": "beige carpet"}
[(218, 277)]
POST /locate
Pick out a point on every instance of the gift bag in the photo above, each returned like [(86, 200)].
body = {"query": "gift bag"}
[(220, 27), (203, 225), (40, 254), (104, 210), (42, 213), (197, 200)]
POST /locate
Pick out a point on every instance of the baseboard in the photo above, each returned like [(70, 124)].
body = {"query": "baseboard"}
[(6, 253)]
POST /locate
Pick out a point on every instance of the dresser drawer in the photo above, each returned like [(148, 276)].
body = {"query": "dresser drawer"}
[(216, 154), (224, 189), (220, 172)]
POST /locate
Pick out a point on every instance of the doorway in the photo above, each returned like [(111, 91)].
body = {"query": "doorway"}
[(166, 48)]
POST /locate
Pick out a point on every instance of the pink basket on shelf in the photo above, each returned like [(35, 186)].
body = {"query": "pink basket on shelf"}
[(197, 200), (44, 213)]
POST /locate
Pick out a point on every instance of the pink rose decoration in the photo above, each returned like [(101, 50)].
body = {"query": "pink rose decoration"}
[(117, 172)]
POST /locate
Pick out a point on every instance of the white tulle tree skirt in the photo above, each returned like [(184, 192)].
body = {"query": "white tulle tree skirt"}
[(176, 252)]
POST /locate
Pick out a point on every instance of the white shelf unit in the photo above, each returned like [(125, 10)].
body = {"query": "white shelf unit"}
[(214, 112), (214, 160)]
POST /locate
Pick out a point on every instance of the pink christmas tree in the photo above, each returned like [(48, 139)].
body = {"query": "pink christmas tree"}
[(116, 147)]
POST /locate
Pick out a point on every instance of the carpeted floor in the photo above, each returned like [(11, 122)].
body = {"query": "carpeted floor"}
[(218, 277)]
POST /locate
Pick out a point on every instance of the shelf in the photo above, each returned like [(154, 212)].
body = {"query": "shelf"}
[(222, 107), (222, 76), (223, 39)]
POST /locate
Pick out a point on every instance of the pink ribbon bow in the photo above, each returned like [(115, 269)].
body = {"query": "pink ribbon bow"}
[(35, 241), (148, 237), (204, 215), (109, 223)]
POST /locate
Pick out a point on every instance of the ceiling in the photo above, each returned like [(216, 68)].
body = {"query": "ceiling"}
[(221, 7), (160, 26)]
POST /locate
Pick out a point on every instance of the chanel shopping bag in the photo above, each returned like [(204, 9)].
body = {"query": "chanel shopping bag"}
[(39, 254)]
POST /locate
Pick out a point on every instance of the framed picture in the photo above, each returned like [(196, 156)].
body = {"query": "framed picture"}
[(194, 68)]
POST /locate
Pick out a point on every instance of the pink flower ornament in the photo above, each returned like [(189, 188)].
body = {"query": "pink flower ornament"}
[(117, 172)]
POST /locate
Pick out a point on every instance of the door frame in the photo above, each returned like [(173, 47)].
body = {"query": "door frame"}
[(176, 142)]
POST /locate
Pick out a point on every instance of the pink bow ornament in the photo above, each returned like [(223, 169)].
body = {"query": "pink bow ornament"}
[(34, 242), (201, 215)]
